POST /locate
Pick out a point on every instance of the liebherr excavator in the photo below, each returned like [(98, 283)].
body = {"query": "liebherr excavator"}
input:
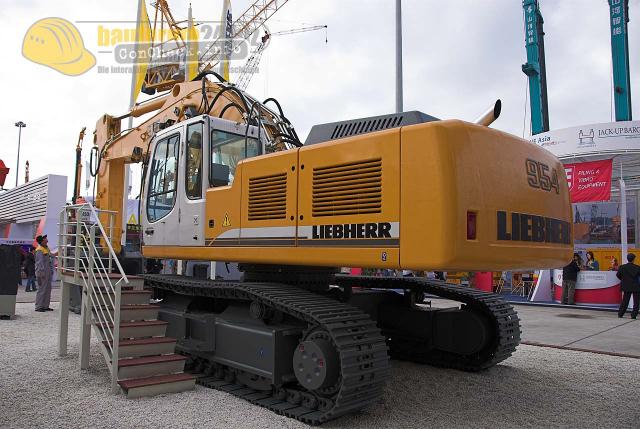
[(226, 178)]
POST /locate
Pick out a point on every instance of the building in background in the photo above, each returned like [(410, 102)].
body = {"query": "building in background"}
[(597, 208), (32, 209), (602, 166)]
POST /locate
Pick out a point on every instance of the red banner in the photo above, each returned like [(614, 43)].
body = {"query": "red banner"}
[(589, 181)]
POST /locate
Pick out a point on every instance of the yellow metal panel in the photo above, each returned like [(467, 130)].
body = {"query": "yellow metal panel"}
[(272, 205), (449, 168), (110, 196), (453, 167), (344, 158)]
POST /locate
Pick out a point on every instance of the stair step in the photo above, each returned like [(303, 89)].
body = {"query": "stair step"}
[(126, 288), (140, 329), (149, 386), (136, 312), (144, 347), (150, 360), (135, 282), (127, 297), (140, 341), (141, 323), (150, 366)]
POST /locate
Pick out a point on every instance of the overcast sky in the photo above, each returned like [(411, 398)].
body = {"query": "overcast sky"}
[(459, 56)]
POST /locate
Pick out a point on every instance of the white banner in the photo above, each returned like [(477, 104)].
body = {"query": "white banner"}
[(591, 139)]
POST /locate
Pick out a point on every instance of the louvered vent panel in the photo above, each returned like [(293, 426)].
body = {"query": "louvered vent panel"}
[(348, 189), (268, 197), (361, 126)]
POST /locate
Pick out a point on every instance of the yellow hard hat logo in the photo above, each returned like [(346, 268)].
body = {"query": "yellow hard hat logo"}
[(56, 43)]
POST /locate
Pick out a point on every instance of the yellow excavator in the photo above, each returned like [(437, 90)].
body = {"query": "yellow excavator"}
[(226, 178)]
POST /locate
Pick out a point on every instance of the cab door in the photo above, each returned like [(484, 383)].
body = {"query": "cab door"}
[(193, 186), (160, 211)]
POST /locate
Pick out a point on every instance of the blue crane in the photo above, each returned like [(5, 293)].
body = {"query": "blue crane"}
[(619, 17), (535, 68)]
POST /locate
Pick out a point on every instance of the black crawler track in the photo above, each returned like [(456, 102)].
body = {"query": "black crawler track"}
[(501, 315), (362, 349)]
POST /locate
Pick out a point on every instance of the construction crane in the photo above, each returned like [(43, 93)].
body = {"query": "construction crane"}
[(535, 67), (160, 73), (619, 17), (251, 66), (162, 77)]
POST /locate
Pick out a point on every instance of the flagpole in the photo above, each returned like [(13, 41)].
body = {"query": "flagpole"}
[(399, 107), (187, 55), (132, 98), (624, 242), (132, 102)]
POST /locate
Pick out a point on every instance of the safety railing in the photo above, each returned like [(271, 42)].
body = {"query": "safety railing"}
[(85, 252)]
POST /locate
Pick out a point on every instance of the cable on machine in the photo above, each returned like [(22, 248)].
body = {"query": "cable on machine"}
[(225, 89)]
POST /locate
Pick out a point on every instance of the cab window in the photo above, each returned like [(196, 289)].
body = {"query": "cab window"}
[(229, 149), (193, 175), (163, 179)]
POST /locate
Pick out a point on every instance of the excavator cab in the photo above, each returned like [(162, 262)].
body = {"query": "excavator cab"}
[(185, 160)]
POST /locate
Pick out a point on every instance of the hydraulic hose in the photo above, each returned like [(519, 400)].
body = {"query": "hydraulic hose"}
[(97, 155), (225, 89), (204, 73), (284, 118), (231, 104), (201, 76), (246, 132), (292, 132)]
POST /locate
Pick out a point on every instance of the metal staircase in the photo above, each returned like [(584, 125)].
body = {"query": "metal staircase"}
[(115, 306)]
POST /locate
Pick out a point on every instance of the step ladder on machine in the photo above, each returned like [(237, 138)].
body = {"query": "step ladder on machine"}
[(116, 307)]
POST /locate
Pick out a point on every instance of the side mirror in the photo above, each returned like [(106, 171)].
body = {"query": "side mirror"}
[(219, 175)]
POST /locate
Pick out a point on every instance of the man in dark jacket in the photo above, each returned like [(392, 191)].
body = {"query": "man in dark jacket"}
[(30, 270), (629, 275), (569, 279)]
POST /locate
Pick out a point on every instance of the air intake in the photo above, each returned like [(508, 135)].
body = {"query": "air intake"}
[(268, 197), (337, 130), (348, 189)]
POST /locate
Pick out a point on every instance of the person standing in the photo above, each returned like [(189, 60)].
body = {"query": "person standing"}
[(30, 270), (569, 279), (614, 264), (592, 264), (44, 273), (629, 275)]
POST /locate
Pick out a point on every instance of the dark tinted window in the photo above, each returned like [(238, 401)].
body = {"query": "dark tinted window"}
[(163, 179), (193, 175)]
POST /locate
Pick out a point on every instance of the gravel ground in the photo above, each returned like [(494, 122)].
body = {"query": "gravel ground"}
[(23, 296), (537, 387)]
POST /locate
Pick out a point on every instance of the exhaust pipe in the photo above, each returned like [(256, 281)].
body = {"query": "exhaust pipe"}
[(490, 115)]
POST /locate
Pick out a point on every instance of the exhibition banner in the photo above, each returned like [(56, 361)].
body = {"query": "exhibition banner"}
[(589, 181), (592, 139)]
